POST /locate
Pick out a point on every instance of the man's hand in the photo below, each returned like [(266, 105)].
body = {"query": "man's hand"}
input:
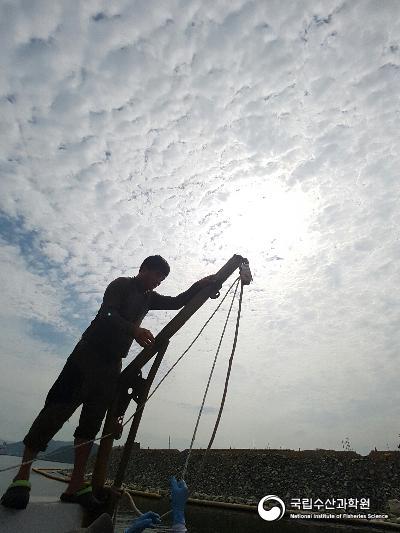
[(147, 520), (143, 336)]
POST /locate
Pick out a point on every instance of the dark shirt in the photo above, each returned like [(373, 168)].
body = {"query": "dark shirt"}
[(126, 302)]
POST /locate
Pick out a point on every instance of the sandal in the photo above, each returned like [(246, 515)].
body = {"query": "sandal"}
[(17, 494), (84, 497)]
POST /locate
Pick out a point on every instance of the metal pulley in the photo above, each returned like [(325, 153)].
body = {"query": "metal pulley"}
[(245, 273)]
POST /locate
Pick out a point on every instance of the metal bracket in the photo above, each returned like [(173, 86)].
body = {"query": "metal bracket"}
[(245, 273), (137, 385)]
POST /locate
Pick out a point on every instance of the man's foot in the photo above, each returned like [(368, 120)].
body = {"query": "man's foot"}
[(17, 495), (84, 497)]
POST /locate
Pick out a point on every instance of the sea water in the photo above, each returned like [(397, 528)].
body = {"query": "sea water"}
[(41, 486)]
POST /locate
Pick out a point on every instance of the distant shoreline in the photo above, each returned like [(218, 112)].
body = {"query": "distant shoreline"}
[(3, 459), (57, 451)]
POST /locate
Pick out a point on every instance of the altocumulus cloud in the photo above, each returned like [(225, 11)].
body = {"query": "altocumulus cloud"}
[(197, 130)]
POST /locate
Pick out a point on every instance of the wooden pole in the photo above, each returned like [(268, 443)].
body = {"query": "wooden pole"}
[(137, 418)]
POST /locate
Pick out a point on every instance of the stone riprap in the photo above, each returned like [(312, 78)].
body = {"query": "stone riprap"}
[(245, 476)]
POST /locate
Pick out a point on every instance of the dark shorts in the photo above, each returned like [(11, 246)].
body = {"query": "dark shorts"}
[(86, 379)]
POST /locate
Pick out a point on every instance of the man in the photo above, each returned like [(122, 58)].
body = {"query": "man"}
[(91, 372)]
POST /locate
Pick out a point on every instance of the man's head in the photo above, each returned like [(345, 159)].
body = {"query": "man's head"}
[(153, 271)]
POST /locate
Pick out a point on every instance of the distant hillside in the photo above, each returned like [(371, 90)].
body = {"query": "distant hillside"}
[(63, 451), (17, 448), (65, 454)]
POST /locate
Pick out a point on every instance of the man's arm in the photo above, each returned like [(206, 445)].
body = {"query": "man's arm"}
[(159, 301)]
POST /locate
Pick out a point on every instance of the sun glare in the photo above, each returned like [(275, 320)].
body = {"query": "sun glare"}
[(269, 220)]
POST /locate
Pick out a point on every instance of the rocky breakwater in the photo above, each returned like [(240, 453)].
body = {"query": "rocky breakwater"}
[(245, 476)]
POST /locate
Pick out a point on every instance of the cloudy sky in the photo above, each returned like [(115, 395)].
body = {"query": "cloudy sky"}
[(197, 130)]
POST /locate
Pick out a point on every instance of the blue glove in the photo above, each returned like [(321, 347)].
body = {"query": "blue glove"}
[(179, 496), (146, 520)]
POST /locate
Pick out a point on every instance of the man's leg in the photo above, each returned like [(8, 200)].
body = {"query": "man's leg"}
[(82, 454), (24, 471), (89, 424), (90, 421), (50, 420), (62, 400), (101, 385), (17, 494)]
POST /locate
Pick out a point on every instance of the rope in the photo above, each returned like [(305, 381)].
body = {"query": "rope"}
[(208, 385), (13, 467), (123, 492), (229, 371), (225, 388), (120, 493)]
